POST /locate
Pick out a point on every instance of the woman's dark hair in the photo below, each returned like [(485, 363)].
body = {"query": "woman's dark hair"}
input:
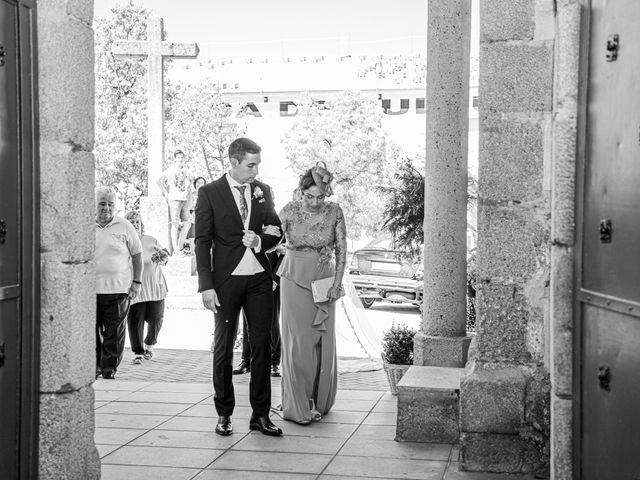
[(195, 180), (306, 181)]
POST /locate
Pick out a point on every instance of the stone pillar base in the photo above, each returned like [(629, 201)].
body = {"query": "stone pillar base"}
[(440, 351), (428, 405), (486, 452), (495, 400), (155, 216)]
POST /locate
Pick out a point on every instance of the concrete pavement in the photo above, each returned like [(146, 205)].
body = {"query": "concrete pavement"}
[(155, 421)]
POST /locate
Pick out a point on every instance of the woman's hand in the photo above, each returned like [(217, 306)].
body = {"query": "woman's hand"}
[(271, 230), (334, 293)]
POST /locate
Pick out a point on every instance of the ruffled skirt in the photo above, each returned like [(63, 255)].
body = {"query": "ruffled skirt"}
[(309, 363)]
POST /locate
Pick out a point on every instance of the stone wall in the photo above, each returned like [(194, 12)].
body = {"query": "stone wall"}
[(67, 369), (505, 397)]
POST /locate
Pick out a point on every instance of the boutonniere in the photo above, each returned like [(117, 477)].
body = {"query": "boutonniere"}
[(258, 194)]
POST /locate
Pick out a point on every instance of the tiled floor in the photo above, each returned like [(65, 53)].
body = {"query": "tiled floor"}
[(162, 430), (172, 365)]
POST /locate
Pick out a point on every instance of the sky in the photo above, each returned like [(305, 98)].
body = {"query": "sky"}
[(282, 28)]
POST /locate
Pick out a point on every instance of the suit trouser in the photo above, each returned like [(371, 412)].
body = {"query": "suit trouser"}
[(151, 312), (276, 351), (111, 329), (254, 295)]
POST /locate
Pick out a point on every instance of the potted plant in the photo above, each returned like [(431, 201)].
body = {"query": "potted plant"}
[(397, 353)]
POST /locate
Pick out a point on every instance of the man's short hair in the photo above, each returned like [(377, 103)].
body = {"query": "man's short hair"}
[(241, 146), (100, 191)]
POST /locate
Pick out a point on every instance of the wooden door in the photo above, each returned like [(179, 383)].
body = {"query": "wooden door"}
[(608, 321), (19, 270)]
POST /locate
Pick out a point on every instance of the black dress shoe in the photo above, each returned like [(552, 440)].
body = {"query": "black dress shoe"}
[(242, 368), (265, 425), (275, 371), (224, 426)]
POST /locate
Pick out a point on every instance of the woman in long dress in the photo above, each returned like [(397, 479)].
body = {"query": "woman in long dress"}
[(316, 249)]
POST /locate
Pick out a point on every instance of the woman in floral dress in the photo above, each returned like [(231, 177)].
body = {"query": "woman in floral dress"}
[(316, 249)]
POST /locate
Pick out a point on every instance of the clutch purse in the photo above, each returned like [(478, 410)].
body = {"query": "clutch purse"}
[(320, 289)]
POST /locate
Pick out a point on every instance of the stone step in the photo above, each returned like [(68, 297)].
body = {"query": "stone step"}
[(429, 405)]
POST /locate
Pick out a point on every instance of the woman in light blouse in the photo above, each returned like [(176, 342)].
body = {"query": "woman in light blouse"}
[(148, 306)]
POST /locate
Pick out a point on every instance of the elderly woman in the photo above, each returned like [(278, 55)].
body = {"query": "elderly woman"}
[(118, 249), (148, 306)]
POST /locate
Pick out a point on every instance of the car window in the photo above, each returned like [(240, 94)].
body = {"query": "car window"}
[(382, 262)]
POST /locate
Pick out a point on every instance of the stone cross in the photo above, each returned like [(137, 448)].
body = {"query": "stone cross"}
[(155, 50)]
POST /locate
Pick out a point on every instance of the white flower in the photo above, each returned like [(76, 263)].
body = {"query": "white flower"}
[(258, 194)]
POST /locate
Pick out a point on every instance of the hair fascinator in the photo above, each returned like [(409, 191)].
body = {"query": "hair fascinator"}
[(322, 178)]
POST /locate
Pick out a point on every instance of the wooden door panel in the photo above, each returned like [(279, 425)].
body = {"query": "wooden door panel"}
[(19, 261), (608, 355), (611, 386)]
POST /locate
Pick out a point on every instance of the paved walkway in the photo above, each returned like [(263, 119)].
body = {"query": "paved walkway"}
[(156, 420), (170, 365)]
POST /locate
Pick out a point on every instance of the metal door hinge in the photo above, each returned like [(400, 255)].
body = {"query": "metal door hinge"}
[(3, 230), (2, 355), (613, 42), (605, 229), (604, 377), (3, 54)]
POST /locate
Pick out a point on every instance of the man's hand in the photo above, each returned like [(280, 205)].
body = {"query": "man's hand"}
[(134, 290), (250, 239), (210, 300)]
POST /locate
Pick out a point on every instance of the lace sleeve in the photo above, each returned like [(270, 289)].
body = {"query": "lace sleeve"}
[(285, 218), (340, 244)]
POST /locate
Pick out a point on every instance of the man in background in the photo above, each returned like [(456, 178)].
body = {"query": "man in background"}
[(174, 185)]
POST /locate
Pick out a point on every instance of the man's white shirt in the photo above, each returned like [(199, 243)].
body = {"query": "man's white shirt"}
[(249, 264)]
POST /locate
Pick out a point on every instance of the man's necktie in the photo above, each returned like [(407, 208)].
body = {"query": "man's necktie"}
[(244, 208)]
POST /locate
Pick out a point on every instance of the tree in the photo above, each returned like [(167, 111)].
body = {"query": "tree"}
[(121, 115), (346, 133), (202, 124), (403, 214)]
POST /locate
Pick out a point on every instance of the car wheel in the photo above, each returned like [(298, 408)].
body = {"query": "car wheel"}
[(367, 302)]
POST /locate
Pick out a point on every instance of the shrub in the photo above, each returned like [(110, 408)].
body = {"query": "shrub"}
[(397, 345)]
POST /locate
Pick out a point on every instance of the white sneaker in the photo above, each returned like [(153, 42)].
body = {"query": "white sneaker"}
[(148, 352), (137, 360)]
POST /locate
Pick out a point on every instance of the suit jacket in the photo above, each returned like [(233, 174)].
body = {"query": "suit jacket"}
[(219, 230)]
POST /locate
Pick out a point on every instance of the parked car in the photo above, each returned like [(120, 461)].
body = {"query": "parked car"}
[(380, 274)]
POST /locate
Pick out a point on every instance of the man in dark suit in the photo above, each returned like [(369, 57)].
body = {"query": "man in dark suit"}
[(275, 257), (230, 215)]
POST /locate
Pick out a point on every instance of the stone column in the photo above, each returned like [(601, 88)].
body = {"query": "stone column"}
[(443, 341), (67, 240)]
